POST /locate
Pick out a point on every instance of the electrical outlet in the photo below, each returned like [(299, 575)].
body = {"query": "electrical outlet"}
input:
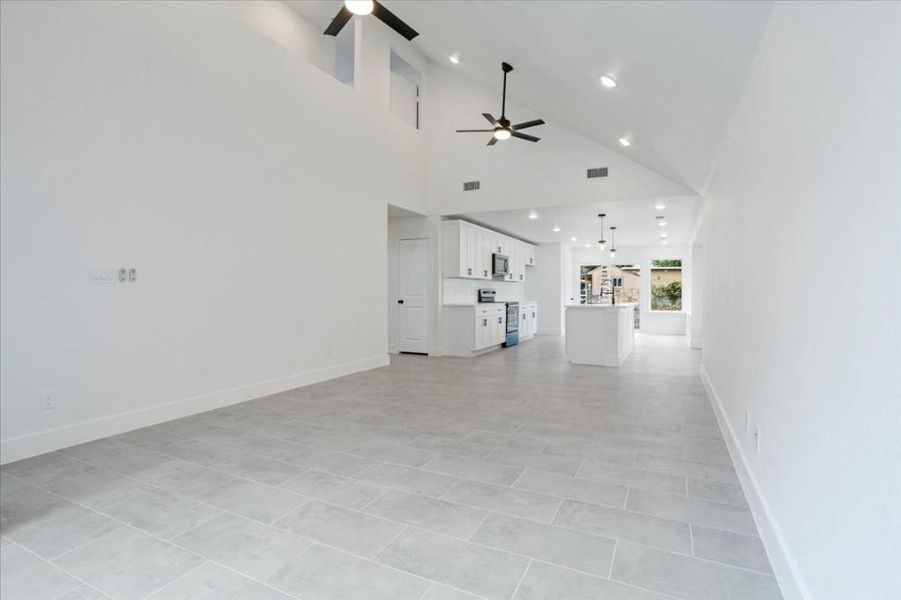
[(747, 421), (48, 400), (132, 275), (757, 438), (123, 275)]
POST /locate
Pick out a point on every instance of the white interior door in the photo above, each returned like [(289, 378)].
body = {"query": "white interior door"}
[(412, 295)]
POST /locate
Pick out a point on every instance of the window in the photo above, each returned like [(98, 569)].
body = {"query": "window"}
[(666, 285)]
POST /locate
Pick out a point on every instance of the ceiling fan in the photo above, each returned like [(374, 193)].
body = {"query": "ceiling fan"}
[(365, 7), (503, 130)]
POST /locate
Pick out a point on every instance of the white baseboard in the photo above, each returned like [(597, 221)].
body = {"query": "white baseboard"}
[(784, 567), (33, 444)]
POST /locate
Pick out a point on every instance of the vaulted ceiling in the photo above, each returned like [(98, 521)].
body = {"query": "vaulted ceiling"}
[(680, 66)]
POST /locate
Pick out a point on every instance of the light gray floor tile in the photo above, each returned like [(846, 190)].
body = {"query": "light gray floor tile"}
[(443, 592), (200, 452), (259, 468), (18, 497), (688, 577), (577, 488), (695, 510), (465, 566), (348, 530), (535, 460), (185, 478), (128, 564), (459, 448), (162, 513), (84, 593), (407, 478), (27, 577), (44, 468), (253, 500), (148, 438), (731, 548), (613, 456), (328, 574), (550, 582), (567, 547), (708, 451), (339, 463), (646, 480), (689, 468), (521, 503), (213, 582), (476, 470), (255, 549), (128, 460), (58, 528), (410, 457), (624, 525), (716, 491), (428, 513), (96, 487), (333, 488)]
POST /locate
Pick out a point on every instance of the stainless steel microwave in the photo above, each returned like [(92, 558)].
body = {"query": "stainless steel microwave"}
[(500, 265)]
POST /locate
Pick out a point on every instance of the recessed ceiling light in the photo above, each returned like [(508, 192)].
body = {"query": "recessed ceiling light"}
[(573, 239), (454, 59), (666, 241), (624, 142), (359, 7), (607, 81), (664, 235), (533, 215), (661, 223), (660, 206), (588, 245), (556, 230)]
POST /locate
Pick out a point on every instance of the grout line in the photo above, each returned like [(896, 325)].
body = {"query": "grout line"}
[(521, 579), (391, 541), (612, 559), (691, 538), (54, 565)]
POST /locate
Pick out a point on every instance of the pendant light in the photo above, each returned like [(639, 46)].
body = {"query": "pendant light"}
[(613, 242), (602, 241)]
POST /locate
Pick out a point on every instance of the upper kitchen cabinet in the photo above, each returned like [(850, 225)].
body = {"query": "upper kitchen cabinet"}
[(469, 250)]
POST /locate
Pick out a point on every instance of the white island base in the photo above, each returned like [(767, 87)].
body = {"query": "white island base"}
[(599, 334)]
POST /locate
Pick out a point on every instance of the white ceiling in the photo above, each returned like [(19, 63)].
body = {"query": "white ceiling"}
[(680, 66), (635, 222)]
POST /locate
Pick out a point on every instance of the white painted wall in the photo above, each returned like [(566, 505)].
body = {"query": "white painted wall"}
[(802, 322), (545, 284), (175, 138), (652, 321)]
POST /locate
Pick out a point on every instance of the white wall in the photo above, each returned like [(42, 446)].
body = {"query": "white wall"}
[(652, 321), (545, 284), (239, 179), (802, 240)]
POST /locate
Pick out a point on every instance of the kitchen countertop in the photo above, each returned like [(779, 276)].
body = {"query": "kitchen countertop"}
[(602, 306)]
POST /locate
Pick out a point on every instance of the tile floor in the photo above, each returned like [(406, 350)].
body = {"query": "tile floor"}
[(511, 475)]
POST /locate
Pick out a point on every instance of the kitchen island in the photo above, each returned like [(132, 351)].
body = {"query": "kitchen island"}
[(599, 334)]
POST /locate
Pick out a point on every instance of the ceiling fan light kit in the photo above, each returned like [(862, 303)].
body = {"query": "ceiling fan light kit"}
[(502, 128), (366, 7)]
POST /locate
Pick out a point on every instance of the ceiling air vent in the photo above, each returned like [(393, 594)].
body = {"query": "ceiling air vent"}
[(470, 186), (598, 172)]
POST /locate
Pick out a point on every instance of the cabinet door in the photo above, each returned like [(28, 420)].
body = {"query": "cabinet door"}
[(530, 255), (501, 331), (481, 328), (533, 317), (469, 251), (483, 261)]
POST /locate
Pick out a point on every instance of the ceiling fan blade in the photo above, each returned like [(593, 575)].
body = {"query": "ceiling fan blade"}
[(534, 123), (491, 119), (492, 141), (475, 130), (523, 136), (393, 21), (338, 22)]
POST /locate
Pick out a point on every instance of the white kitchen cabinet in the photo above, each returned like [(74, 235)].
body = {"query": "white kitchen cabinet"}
[(474, 329), (528, 320), (468, 250)]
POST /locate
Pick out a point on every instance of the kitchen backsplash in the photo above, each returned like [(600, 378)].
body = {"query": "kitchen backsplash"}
[(465, 291)]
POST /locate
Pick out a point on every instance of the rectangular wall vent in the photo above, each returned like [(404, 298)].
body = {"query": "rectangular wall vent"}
[(470, 186), (599, 172)]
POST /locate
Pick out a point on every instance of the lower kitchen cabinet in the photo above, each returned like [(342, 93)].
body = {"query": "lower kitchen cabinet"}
[(473, 329), (528, 320)]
